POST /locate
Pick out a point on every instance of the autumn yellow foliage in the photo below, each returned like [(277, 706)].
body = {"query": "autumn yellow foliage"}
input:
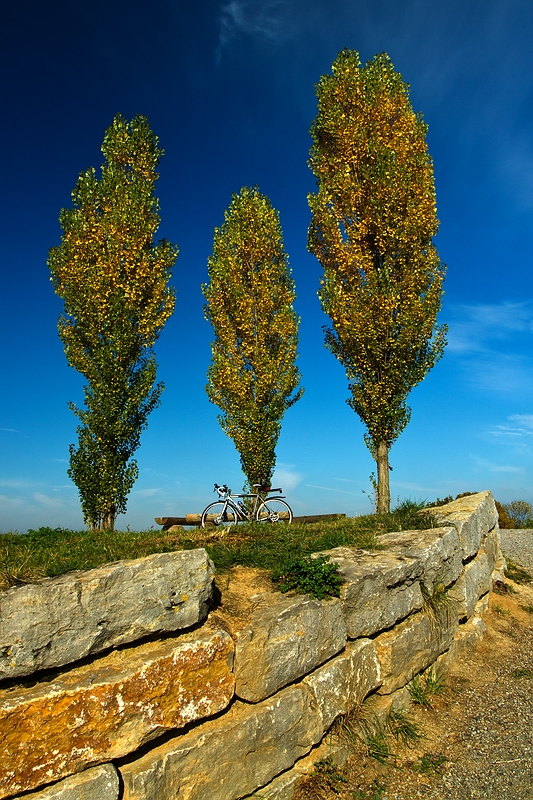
[(252, 377), (373, 222), (113, 280)]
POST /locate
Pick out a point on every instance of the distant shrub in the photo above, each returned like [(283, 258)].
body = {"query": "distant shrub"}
[(520, 512), (504, 520)]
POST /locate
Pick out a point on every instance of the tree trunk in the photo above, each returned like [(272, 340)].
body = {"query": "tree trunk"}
[(382, 461), (108, 522)]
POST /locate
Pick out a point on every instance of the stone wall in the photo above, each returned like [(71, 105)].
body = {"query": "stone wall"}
[(116, 682)]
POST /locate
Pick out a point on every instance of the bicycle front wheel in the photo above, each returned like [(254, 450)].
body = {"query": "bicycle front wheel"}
[(274, 510), (218, 515)]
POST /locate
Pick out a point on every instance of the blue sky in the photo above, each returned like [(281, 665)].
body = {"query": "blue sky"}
[(229, 89)]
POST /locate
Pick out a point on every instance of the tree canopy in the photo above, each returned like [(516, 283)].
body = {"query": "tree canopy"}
[(113, 280), (373, 222), (252, 377)]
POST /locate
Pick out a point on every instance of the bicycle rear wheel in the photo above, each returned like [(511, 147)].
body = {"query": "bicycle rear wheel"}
[(218, 514), (274, 510)]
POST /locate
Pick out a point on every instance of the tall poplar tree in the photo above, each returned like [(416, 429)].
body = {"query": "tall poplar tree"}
[(252, 377), (372, 228), (113, 280)]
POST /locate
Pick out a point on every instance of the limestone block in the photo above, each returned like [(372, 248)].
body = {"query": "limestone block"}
[(438, 550), (61, 620), (379, 588), (283, 786), (472, 517), (97, 783), (286, 639), (410, 647), (473, 583), (482, 605), (345, 681), (229, 757), (381, 706), (107, 709), (490, 545), (468, 635)]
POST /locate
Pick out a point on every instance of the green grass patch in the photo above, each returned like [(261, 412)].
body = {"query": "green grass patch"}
[(517, 573), (47, 552), (522, 673), (424, 688)]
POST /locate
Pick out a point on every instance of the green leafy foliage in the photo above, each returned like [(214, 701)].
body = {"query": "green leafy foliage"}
[(424, 688), (113, 280), (318, 577), (372, 228), (252, 377)]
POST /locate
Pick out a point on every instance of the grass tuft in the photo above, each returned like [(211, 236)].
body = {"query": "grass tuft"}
[(424, 688), (517, 573)]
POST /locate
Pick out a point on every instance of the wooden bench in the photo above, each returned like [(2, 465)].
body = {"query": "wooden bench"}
[(195, 519)]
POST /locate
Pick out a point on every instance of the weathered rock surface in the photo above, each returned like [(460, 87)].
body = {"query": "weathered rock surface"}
[(490, 545), (286, 639), (438, 550), (283, 786), (345, 681), (229, 757), (411, 647), (97, 783), (472, 584), (61, 620), (380, 588), (108, 709), (472, 517), (466, 638)]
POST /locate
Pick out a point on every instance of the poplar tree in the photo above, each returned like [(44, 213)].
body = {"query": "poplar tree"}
[(252, 377), (113, 280), (372, 228)]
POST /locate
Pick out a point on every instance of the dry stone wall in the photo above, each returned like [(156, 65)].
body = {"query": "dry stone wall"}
[(115, 684)]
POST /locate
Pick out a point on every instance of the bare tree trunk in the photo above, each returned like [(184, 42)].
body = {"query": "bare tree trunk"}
[(382, 461), (108, 522)]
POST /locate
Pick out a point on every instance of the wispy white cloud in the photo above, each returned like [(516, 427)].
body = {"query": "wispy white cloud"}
[(265, 20), (523, 426), (473, 327), (9, 430), (10, 503), (46, 501), (330, 489), (490, 467), (147, 492), (286, 476), (14, 484)]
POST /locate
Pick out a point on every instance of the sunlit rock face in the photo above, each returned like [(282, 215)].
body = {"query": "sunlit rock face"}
[(61, 620), (98, 712)]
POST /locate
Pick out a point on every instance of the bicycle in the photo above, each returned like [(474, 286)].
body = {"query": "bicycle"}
[(231, 509)]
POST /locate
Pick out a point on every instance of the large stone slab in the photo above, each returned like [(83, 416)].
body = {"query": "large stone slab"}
[(379, 588), (473, 583), (490, 545), (412, 646), (345, 681), (472, 517), (438, 550), (230, 757), (61, 620), (286, 638), (97, 783), (107, 709)]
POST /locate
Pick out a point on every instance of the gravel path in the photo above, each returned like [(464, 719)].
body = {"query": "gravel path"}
[(518, 545)]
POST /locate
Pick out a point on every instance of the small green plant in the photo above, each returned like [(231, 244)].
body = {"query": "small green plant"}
[(440, 608), (315, 576), (430, 763), (324, 782), (400, 725), (522, 673), (377, 791), (423, 688), (517, 573), (529, 609), (501, 611), (378, 747)]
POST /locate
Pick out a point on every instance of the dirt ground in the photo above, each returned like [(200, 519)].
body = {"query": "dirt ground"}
[(475, 740)]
